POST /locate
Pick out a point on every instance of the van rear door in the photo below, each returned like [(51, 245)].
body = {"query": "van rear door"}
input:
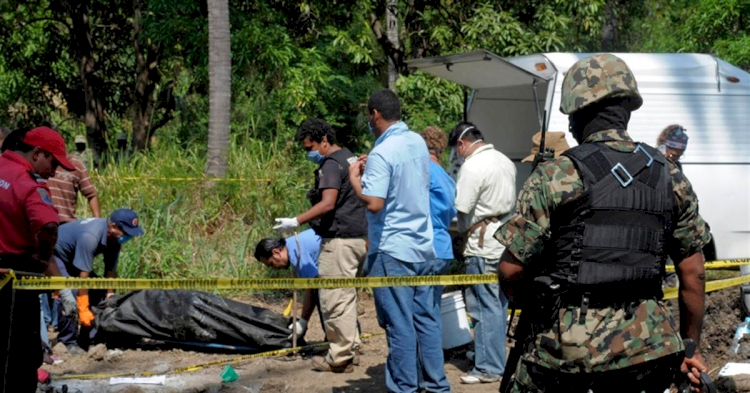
[(477, 70), (502, 104)]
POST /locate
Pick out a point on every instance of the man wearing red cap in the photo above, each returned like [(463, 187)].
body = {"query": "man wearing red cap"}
[(27, 241)]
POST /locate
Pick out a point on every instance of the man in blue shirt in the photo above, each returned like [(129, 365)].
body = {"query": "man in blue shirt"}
[(301, 253), (78, 243), (394, 183)]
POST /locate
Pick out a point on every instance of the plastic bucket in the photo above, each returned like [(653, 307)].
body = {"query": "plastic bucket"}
[(456, 330)]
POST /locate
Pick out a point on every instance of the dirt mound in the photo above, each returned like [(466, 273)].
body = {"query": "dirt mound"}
[(724, 311)]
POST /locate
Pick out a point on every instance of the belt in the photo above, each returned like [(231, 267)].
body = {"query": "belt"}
[(482, 226)]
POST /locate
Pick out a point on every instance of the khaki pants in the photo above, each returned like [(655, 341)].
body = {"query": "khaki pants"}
[(340, 258)]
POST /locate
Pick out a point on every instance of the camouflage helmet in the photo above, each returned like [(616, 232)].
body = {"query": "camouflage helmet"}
[(595, 78)]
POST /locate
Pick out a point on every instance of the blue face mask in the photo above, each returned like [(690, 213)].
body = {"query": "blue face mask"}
[(124, 239), (315, 157), (369, 126)]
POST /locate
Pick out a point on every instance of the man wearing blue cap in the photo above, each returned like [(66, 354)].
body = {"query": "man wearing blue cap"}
[(78, 243)]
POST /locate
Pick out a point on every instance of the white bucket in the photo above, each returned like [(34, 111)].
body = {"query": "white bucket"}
[(456, 330)]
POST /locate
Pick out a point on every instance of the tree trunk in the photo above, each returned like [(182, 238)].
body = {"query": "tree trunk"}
[(147, 76), (391, 26), (609, 29), (94, 115), (219, 87)]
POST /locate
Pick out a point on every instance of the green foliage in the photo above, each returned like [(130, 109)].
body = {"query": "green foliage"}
[(196, 229), (291, 61), (428, 101), (719, 27)]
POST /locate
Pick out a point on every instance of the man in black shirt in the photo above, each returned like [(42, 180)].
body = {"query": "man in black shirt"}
[(338, 217)]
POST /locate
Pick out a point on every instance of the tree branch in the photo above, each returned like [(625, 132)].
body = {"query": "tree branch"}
[(32, 21)]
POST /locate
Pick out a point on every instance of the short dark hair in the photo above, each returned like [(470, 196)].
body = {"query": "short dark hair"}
[(387, 103), (13, 141), (474, 134), (265, 247), (316, 129)]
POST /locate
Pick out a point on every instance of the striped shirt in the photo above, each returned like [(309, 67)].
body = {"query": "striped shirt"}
[(64, 187)]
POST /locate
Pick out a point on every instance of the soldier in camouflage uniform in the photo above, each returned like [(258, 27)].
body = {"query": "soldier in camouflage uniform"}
[(610, 330)]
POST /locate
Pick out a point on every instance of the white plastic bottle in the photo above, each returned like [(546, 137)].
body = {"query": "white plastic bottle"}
[(742, 329)]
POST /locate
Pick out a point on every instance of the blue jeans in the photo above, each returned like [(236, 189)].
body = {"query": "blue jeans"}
[(488, 308), (49, 309), (439, 267), (411, 319)]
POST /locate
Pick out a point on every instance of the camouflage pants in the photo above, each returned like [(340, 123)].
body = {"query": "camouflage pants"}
[(650, 377)]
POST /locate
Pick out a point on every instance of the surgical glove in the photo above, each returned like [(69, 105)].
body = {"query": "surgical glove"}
[(300, 328), (286, 224), (85, 316), (68, 302)]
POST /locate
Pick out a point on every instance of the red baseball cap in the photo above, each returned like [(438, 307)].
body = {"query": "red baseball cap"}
[(50, 141)]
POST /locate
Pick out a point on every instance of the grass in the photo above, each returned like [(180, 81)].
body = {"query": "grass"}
[(202, 229)]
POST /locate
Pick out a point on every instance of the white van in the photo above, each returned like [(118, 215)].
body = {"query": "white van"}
[(709, 97)]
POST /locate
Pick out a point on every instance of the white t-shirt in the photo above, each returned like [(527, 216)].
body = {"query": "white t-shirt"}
[(486, 187)]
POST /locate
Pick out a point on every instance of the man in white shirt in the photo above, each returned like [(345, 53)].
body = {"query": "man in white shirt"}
[(485, 194)]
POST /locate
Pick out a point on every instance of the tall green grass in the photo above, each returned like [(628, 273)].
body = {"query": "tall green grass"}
[(203, 229)]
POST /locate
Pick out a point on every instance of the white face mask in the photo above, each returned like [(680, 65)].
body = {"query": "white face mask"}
[(460, 158)]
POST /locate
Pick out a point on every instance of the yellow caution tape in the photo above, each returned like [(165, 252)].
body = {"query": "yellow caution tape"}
[(148, 178), (201, 366), (726, 264), (711, 286), (7, 278), (51, 283)]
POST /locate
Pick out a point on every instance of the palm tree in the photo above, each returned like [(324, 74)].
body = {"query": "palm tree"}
[(219, 87)]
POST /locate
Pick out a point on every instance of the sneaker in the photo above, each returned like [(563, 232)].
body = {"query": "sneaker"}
[(75, 350), (355, 360), (320, 363), (472, 379)]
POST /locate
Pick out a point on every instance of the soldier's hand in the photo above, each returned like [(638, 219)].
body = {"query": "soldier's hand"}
[(693, 367)]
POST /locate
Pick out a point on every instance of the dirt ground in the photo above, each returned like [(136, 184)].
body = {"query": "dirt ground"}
[(293, 373)]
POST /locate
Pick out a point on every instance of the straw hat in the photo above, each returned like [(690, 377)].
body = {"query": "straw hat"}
[(553, 139)]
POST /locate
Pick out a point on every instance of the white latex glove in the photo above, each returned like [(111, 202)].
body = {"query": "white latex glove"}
[(286, 224), (301, 328), (68, 301)]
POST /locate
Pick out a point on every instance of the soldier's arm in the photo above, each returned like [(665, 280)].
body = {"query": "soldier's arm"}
[(692, 276), (688, 238), (551, 184)]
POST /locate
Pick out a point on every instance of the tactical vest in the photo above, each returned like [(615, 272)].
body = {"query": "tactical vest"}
[(609, 244)]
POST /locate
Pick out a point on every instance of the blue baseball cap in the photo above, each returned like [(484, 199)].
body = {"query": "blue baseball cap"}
[(127, 220), (677, 139)]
